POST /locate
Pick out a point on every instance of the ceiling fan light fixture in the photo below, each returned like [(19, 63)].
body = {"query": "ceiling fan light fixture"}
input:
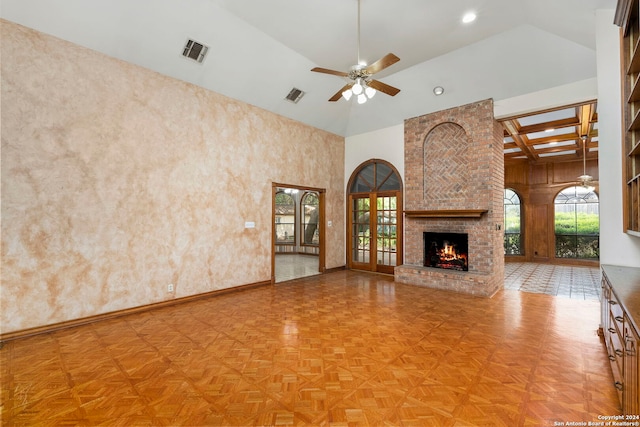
[(362, 98), (357, 88), (469, 17), (347, 94), (370, 92)]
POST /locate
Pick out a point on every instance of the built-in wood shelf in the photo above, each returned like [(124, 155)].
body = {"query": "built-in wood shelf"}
[(635, 122), (627, 16), (634, 62), (446, 213), (634, 95)]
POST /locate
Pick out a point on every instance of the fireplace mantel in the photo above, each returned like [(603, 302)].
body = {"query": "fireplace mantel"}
[(446, 213)]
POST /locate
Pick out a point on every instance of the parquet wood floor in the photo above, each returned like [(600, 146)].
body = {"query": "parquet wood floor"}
[(341, 349)]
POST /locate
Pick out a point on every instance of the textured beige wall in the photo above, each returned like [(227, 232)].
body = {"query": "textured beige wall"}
[(117, 181)]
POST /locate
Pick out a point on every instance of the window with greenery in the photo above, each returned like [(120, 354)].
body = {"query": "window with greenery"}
[(310, 213), (512, 223), (285, 218), (387, 238), (577, 223)]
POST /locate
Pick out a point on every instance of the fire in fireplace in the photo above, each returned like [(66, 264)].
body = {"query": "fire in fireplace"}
[(446, 250)]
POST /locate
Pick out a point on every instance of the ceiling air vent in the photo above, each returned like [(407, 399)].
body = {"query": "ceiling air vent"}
[(295, 95), (194, 50)]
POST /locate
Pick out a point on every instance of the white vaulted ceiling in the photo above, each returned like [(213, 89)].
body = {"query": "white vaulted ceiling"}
[(260, 49)]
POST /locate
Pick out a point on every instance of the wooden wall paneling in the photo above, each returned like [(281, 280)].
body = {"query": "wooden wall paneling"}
[(537, 194), (538, 174), (538, 232), (516, 173), (567, 172)]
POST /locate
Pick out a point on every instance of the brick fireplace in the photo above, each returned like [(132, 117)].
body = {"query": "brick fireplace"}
[(454, 183)]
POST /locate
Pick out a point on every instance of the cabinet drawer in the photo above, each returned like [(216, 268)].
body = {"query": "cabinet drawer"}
[(615, 349), (616, 345), (616, 357), (615, 308)]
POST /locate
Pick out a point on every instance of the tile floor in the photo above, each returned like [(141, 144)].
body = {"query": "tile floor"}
[(295, 266), (558, 280)]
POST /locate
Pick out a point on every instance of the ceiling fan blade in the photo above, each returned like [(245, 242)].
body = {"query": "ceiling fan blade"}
[(332, 72), (383, 87), (382, 63), (338, 94)]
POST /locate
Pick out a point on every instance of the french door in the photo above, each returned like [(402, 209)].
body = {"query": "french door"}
[(374, 238)]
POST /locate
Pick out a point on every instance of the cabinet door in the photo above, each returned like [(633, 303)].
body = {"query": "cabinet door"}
[(604, 307), (631, 396)]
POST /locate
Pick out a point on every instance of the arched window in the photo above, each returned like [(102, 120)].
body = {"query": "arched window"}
[(577, 223), (512, 223), (285, 218), (310, 213)]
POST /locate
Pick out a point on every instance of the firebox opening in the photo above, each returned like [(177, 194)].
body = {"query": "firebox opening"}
[(446, 250)]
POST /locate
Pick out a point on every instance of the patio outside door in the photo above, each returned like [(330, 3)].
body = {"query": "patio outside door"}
[(360, 233), (374, 228), (375, 218)]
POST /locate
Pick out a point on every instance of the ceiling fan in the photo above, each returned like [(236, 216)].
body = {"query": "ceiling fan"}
[(360, 82), (585, 180)]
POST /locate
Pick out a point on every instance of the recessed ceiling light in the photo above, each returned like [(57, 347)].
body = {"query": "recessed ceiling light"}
[(438, 90), (469, 17)]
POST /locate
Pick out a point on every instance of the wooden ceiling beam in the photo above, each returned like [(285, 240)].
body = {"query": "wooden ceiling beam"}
[(556, 138), (581, 123), (555, 124), (512, 128), (585, 112)]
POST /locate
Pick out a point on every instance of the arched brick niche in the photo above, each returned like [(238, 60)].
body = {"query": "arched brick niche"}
[(446, 166), (454, 165)]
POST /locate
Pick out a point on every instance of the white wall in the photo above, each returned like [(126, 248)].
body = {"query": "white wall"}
[(616, 247), (386, 144), (572, 93)]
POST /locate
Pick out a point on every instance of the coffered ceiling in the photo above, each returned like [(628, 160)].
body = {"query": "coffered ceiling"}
[(553, 135), (259, 50)]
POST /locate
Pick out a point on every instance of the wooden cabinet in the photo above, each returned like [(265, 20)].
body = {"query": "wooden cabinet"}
[(628, 17), (620, 310), (630, 369)]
